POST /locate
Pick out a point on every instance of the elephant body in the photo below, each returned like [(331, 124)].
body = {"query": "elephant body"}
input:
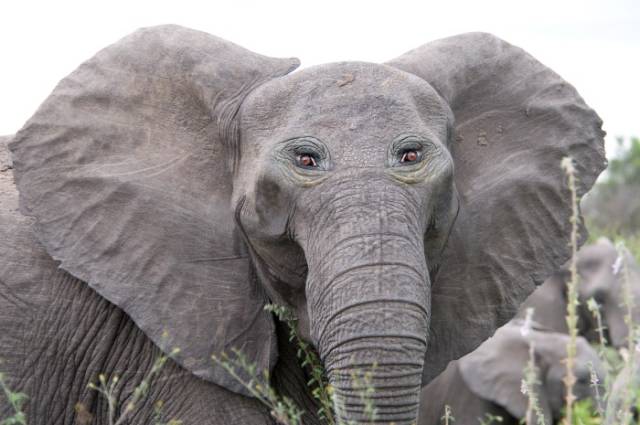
[(488, 381), (70, 335), (176, 183)]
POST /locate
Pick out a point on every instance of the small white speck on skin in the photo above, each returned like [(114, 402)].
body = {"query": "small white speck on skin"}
[(525, 330)]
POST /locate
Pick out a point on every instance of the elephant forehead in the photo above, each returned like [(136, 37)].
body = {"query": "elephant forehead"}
[(349, 105), (601, 252)]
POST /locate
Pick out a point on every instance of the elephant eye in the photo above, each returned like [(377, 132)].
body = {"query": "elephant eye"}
[(409, 156), (307, 160)]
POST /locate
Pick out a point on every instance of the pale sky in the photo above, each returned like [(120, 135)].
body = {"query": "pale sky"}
[(593, 45)]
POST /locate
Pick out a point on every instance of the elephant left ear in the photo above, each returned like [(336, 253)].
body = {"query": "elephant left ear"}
[(128, 169), (515, 120)]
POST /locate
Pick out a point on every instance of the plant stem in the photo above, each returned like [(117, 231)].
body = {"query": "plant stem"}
[(630, 363), (572, 293)]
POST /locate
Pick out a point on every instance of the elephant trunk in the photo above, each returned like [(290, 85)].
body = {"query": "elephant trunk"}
[(368, 294), (375, 368), (373, 342)]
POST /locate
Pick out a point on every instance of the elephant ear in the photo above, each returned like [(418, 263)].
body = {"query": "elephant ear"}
[(495, 370), (515, 120), (127, 169)]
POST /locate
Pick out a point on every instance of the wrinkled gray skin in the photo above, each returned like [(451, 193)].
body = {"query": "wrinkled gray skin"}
[(598, 280), (163, 187), (488, 380)]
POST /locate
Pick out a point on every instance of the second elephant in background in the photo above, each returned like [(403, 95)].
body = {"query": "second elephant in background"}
[(602, 275), (488, 381)]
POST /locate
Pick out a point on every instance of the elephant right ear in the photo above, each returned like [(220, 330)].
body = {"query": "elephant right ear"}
[(127, 168)]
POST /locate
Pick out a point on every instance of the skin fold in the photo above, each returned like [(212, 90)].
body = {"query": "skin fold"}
[(176, 183)]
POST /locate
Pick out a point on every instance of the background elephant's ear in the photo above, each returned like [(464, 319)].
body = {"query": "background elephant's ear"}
[(495, 370), (515, 120), (127, 168)]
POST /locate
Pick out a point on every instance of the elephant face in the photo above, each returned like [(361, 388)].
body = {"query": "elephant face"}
[(601, 279), (296, 215), (355, 218), (495, 370), (403, 210), (604, 281)]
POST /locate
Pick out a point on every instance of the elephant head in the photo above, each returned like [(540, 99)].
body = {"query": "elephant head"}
[(495, 370), (403, 210), (602, 277)]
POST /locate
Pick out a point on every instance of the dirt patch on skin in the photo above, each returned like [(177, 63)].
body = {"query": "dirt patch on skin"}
[(5, 158), (346, 79), (8, 193), (8, 190)]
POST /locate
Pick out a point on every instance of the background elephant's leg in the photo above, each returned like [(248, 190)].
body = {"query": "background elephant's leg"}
[(69, 335)]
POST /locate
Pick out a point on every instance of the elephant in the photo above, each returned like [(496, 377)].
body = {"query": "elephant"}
[(487, 381), (176, 183), (599, 278)]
